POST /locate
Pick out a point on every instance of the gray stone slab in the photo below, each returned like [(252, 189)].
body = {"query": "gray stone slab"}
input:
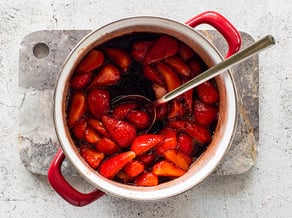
[(43, 52)]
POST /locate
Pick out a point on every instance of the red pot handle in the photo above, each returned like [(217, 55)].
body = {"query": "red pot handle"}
[(220, 23), (64, 189)]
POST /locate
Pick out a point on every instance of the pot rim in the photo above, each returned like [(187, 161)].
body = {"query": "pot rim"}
[(199, 171)]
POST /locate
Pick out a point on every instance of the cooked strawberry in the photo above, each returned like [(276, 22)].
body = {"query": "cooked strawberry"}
[(79, 81), (171, 78), (179, 158), (185, 144), (79, 128), (108, 75), (165, 168), (208, 93), (178, 124), (139, 49), (178, 65), (144, 143), (98, 101), (139, 118), (151, 74), (161, 111), (92, 61), (98, 126), (146, 179), (146, 158), (186, 52), (111, 166), (204, 114), (125, 178), (176, 109), (169, 140), (159, 90), (119, 57), (92, 157), (77, 108), (188, 98), (199, 133), (134, 168), (121, 111), (162, 48), (122, 132), (196, 68), (107, 146), (91, 136)]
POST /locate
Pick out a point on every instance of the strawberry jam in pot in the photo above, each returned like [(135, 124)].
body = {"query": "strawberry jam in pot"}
[(112, 138)]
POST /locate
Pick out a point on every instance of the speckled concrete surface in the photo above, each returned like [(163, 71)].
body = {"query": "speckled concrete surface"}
[(264, 191)]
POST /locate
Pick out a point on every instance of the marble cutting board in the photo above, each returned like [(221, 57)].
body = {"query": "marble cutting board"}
[(40, 58)]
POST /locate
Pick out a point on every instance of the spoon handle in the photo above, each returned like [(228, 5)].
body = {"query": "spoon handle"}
[(236, 58)]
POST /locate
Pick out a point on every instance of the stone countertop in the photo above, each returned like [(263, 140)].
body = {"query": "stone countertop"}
[(263, 191)]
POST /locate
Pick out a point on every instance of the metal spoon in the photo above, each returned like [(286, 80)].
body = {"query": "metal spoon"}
[(212, 72)]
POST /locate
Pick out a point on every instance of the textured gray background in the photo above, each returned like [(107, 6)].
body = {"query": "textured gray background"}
[(264, 191)]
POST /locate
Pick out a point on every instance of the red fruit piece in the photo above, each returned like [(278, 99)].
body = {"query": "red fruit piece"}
[(162, 48), (79, 128), (76, 109), (199, 133), (161, 111), (186, 52), (144, 143), (147, 180), (119, 57), (139, 49), (196, 68), (171, 78), (140, 119), (179, 158), (92, 157), (159, 90), (169, 141), (98, 126), (178, 65), (185, 144), (91, 136), (134, 168), (208, 93), (108, 75), (178, 124), (188, 98), (124, 177), (165, 168), (79, 81), (121, 111), (110, 167), (204, 114), (90, 62), (122, 132), (98, 101), (146, 158), (107, 146), (176, 109), (150, 73)]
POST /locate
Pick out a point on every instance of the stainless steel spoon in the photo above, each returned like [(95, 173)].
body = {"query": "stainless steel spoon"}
[(212, 72)]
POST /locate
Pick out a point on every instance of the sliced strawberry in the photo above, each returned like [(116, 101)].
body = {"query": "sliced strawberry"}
[(107, 146), (92, 61), (98, 126), (139, 49), (161, 111), (179, 158), (91, 136), (185, 144), (147, 180), (79, 81), (134, 168), (178, 64), (121, 111), (169, 142), (122, 132), (146, 158), (171, 78), (151, 74), (208, 93), (159, 90), (196, 68), (108, 75), (188, 98), (178, 124), (98, 101), (165, 168), (119, 57), (162, 48), (76, 109), (139, 118), (92, 157), (204, 114), (186, 52), (111, 166), (144, 143), (176, 109), (125, 178), (79, 128), (199, 133)]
